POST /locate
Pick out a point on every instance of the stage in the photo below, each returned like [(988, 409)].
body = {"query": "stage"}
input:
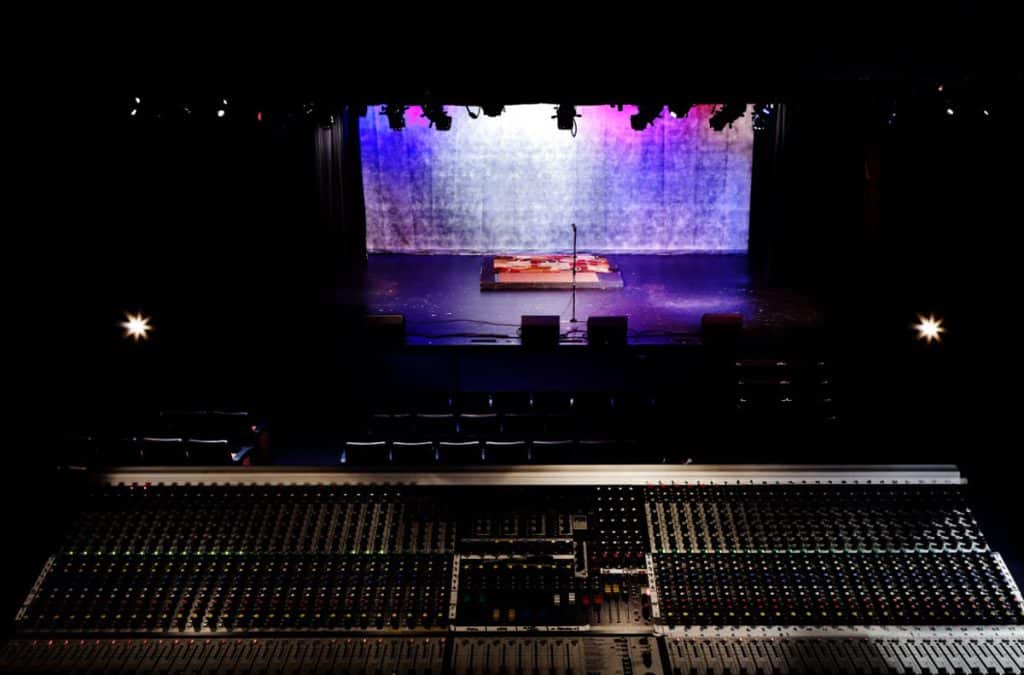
[(664, 297)]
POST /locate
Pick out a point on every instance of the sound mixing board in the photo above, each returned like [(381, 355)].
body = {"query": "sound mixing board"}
[(523, 570)]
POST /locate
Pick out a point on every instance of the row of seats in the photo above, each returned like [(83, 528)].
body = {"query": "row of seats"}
[(754, 383), (541, 451), (503, 426), (514, 402), (176, 437), (589, 427), (421, 428), (770, 388)]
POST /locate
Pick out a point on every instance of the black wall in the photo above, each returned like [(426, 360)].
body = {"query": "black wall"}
[(209, 226)]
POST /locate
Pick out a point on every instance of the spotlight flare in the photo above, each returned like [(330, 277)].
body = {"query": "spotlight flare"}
[(136, 326), (929, 328)]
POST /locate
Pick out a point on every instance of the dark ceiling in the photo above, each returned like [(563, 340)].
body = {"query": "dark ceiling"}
[(607, 54)]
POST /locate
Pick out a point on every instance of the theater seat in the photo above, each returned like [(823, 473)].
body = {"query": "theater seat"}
[(435, 426), (560, 425), (460, 452), (358, 453), (161, 450), (601, 451), (506, 452), (553, 402), (478, 425), (473, 402), (512, 401), (386, 426), (211, 451), (516, 425), (413, 453), (432, 403), (547, 451)]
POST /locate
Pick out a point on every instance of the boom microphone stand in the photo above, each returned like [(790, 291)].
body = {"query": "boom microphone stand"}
[(573, 319)]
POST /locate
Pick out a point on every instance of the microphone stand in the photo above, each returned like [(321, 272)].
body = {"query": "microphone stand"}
[(573, 319)]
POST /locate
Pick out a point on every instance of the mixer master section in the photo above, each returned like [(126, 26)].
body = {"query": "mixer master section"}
[(579, 578)]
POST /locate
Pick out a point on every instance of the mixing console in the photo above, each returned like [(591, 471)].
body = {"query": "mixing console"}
[(581, 571)]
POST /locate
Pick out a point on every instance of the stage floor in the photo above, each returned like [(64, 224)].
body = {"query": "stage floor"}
[(664, 297)]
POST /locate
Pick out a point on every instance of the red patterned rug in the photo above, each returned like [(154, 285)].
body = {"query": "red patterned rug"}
[(548, 271)]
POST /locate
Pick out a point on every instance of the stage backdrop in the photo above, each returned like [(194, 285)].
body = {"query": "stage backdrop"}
[(515, 183)]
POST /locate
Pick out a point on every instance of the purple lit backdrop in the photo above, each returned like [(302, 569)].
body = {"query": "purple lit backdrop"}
[(515, 183)]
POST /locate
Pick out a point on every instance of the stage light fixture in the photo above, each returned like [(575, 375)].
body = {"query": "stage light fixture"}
[(762, 114), (679, 110), (136, 326), (222, 110), (929, 328), (644, 116), (439, 118), (950, 111), (727, 114), (395, 114), (492, 109), (137, 101), (566, 116)]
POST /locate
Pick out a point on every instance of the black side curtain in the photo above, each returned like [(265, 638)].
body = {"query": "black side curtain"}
[(340, 183), (811, 219), (768, 198)]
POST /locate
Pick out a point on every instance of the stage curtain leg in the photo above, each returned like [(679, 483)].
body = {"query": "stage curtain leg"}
[(340, 183), (767, 217)]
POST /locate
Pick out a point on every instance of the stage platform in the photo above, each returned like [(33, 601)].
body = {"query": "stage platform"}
[(664, 297)]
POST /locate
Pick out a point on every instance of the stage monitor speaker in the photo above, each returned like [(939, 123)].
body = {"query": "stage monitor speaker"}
[(607, 331), (386, 330), (721, 328), (540, 332)]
